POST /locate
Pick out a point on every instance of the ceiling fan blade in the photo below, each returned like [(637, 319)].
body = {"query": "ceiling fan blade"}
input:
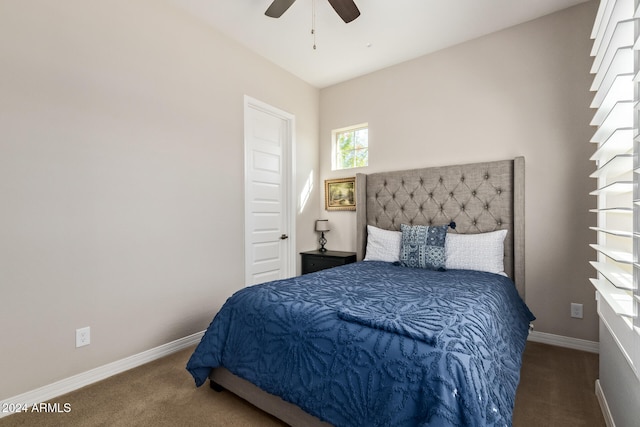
[(346, 9), (278, 7)]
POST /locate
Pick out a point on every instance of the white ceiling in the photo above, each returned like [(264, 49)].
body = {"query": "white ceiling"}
[(386, 33)]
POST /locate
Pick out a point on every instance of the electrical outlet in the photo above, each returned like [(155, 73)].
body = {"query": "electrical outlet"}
[(83, 336), (576, 310)]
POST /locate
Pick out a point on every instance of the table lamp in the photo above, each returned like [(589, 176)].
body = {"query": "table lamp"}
[(322, 225)]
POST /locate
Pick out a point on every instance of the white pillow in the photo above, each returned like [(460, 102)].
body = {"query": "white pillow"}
[(383, 245), (482, 252)]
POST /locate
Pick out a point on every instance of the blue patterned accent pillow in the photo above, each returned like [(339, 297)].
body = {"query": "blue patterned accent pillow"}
[(423, 246)]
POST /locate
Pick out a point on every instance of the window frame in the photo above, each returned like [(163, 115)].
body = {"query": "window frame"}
[(335, 152)]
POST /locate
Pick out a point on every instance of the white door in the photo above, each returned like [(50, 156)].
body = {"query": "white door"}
[(269, 219)]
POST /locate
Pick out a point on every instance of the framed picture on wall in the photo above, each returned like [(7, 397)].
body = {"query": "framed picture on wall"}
[(340, 194)]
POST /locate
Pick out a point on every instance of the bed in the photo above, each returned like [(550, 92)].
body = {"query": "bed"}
[(379, 342)]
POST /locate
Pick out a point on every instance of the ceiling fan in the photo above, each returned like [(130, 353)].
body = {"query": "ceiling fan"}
[(346, 9)]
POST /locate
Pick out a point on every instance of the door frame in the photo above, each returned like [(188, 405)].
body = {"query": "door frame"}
[(289, 202)]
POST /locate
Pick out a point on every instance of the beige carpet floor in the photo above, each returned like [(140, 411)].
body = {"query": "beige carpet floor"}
[(556, 389)]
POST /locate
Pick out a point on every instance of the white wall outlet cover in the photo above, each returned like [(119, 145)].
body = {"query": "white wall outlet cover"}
[(83, 336), (576, 310)]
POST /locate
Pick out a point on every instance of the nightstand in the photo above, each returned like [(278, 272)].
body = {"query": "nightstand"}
[(316, 260)]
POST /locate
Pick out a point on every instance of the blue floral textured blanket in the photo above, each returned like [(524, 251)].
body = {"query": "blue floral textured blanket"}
[(376, 344)]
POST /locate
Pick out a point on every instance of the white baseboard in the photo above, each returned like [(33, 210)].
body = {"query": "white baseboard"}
[(75, 382), (604, 406), (567, 342)]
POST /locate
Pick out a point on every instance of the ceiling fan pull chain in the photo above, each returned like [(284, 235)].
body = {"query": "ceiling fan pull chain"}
[(313, 22)]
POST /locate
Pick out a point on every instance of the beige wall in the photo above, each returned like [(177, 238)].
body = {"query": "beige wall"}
[(519, 92), (121, 178)]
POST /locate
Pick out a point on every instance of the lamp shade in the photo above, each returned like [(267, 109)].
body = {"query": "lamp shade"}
[(322, 225)]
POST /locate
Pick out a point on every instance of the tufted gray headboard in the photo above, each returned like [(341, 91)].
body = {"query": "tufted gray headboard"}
[(479, 197)]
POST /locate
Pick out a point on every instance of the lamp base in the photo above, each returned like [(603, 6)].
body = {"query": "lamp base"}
[(322, 242)]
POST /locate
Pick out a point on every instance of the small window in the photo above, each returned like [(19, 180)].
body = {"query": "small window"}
[(351, 147)]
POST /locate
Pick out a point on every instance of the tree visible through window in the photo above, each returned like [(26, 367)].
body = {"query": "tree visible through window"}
[(352, 147)]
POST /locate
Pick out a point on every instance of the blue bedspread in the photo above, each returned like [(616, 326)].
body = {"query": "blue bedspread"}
[(375, 344)]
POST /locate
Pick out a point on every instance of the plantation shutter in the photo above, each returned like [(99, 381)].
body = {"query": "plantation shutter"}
[(615, 83)]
